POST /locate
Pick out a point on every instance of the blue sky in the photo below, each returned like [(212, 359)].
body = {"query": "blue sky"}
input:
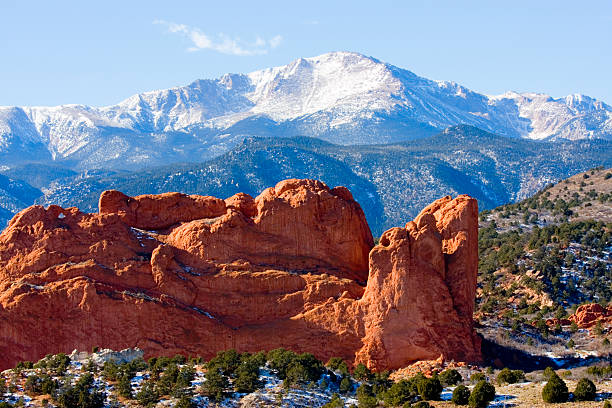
[(98, 53)]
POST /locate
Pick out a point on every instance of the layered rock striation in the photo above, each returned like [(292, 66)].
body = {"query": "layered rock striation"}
[(295, 267)]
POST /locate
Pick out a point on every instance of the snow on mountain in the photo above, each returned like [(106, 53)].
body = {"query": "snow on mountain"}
[(342, 97)]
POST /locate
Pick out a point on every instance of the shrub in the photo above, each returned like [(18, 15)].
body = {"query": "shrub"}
[(510, 376), (399, 393), (450, 377), (312, 366), (216, 385), (607, 404), (24, 365), (179, 359), (185, 376), (47, 384), (335, 402), (603, 371), (147, 396), (124, 387), (58, 363), (477, 377), (226, 361), (82, 395), (185, 402), (461, 395), (299, 368), (367, 402), (482, 394), (555, 390), (167, 380), (279, 361), (247, 378), (346, 385), (337, 365), (365, 397), (90, 367), (380, 383), (420, 404), (549, 372), (429, 388), (110, 371), (585, 390), (32, 385), (362, 373)]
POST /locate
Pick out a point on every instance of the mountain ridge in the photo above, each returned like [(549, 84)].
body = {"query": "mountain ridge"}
[(391, 182), (342, 97)]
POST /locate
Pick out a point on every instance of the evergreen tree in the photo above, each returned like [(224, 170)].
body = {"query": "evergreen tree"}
[(585, 390), (555, 390), (461, 395), (482, 394), (216, 386)]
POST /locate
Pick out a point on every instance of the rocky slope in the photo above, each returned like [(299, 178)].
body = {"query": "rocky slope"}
[(341, 97), (392, 182), (295, 267), (541, 260), (553, 248)]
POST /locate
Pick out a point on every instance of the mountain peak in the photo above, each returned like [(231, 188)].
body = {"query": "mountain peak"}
[(342, 97)]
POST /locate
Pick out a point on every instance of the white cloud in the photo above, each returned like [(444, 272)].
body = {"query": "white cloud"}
[(275, 41), (221, 43)]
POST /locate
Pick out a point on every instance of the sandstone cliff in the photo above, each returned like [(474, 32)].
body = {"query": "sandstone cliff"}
[(295, 267)]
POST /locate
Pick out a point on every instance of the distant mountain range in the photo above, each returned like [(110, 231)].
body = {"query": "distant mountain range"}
[(392, 182), (343, 98)]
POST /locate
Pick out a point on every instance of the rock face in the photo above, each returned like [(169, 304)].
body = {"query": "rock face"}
[(587, 316), (295, 267)]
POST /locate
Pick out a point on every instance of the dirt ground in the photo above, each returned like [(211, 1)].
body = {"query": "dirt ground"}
[(529, 395)]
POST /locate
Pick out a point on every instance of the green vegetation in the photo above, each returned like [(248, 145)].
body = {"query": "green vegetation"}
[(477, 377), (366, 397), (429, 388), (335, 402), (450, 377), (231, 374), (585, 390), (555, 390), (507, 376), (147, 396), (461, 395), (482, 394), (545, 252), (217, 386), (601, 371), (84, 394)]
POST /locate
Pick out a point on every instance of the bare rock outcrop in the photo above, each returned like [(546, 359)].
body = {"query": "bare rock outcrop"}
[(587, 316), (295, 267)]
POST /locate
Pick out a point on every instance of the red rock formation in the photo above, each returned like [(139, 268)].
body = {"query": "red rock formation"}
[(193, 275), (587, 316)]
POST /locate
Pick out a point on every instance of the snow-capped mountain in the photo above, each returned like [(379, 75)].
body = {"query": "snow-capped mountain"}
[(342, 97)]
